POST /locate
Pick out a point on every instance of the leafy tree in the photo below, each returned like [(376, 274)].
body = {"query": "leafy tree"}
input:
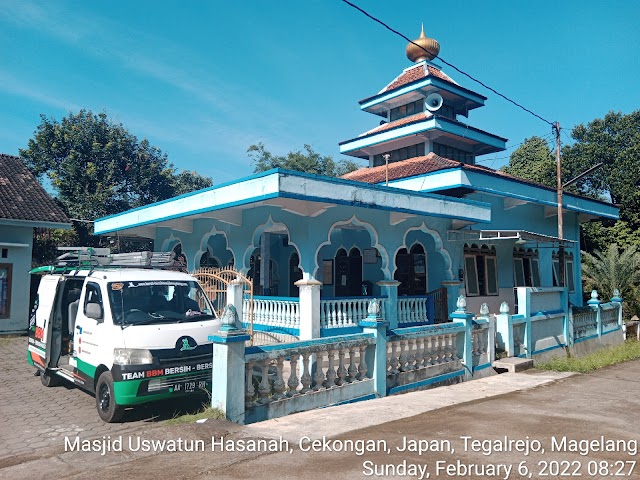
[(534, 161), (189, 181), (607, 270), (614, 141), (98, 168), (308, 161)]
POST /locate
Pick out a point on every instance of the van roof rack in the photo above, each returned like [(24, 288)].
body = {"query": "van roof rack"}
[(82, 258)]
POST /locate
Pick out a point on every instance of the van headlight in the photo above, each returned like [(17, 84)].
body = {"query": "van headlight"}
[(132, 356)]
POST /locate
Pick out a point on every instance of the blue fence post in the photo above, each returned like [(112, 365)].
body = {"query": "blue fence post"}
[(228, 373), (568, 327), (389, 288), (376, 355), (462, 316), (595, 304), (617, 300)]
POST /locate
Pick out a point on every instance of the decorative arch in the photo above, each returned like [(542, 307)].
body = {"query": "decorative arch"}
[(204, 245), (269, 225), (437, 239), (170, 243), (373, 234)]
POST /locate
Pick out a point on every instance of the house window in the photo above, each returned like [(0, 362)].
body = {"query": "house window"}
[(481, 272), (400, 154), (526, 268), (568, 270), (5, 252), (5, 290), (453, 153), (406, 110)]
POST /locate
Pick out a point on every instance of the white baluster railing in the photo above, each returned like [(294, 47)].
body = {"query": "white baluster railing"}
[(283, 312), (345, 312), (284, 371)]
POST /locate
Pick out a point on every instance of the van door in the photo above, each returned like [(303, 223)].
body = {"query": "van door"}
[(92, 341), (41, 330)]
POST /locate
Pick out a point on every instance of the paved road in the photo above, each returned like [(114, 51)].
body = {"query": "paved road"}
[(33, 416), (598, 406)]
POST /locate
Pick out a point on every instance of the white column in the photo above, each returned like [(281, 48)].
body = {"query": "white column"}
[(235, 291), (309, 308)]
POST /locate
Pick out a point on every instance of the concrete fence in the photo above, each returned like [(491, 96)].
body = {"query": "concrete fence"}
[(545, 326), (254, 383)]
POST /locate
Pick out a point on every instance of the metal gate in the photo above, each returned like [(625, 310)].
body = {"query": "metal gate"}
[(214, 282)]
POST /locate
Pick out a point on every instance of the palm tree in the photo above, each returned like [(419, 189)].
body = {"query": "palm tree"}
[(613, 269)]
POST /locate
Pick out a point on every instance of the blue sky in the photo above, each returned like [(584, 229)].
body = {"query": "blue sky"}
[(203, 80)]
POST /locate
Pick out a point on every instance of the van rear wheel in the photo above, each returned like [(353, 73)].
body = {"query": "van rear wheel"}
[(49, 379), (108, 409)]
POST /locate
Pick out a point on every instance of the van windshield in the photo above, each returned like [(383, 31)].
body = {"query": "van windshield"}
[(158, 301)]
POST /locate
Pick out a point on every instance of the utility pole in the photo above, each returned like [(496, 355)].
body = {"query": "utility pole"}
[(561, 266)]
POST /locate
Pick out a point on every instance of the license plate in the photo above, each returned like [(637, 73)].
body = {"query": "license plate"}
[(189, 387)]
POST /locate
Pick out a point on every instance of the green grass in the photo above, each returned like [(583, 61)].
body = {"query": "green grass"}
[(629, 350), (205, 412)]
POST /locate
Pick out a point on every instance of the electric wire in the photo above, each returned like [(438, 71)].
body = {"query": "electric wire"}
[(447, 63)]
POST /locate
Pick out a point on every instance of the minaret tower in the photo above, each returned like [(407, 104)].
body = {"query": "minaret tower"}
[(420, 112)]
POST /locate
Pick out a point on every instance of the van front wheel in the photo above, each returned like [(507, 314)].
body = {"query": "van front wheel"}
[(108, 409)]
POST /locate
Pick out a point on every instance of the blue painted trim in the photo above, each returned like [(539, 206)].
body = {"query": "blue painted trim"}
[(370, 396), (415, 324), (450, 327), (259, 327), (383, 188), (309, 343), (229, 339), (522, 355), (547, 312), (279, 193), (481, 367), (428, 381), (617, 329), (276, 299), (381, 207), (333, 332), (503, 193), (418, 84), (373, 323), (494, 142), (560, 345), (195, 192), (185, 213), (585, 338), (380, 297)]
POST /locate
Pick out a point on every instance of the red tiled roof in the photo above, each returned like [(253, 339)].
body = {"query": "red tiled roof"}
[(406, 168), (416, 73), (421, 165), (22, 197), (418, 117)]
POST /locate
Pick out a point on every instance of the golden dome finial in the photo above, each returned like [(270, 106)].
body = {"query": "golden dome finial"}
[(417, 54)]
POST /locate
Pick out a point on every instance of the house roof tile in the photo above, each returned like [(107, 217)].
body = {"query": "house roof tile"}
[(22, 197)]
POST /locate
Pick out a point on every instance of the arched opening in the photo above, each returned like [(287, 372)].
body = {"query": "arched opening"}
[(348, 273), (208, 260), (411, 271), (255, 270), (295, 274)]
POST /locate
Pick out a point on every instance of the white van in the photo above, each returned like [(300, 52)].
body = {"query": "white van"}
[(129, 335)]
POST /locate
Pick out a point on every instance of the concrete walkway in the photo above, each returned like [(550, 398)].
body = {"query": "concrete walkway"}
[(532, 404)]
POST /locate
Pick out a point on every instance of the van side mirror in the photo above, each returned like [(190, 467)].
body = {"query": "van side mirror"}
[(93, 310)]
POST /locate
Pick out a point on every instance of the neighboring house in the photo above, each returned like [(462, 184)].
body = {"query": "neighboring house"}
[(24, 205), (444, 226)]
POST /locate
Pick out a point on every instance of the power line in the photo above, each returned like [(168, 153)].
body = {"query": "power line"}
[(445, 62)]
